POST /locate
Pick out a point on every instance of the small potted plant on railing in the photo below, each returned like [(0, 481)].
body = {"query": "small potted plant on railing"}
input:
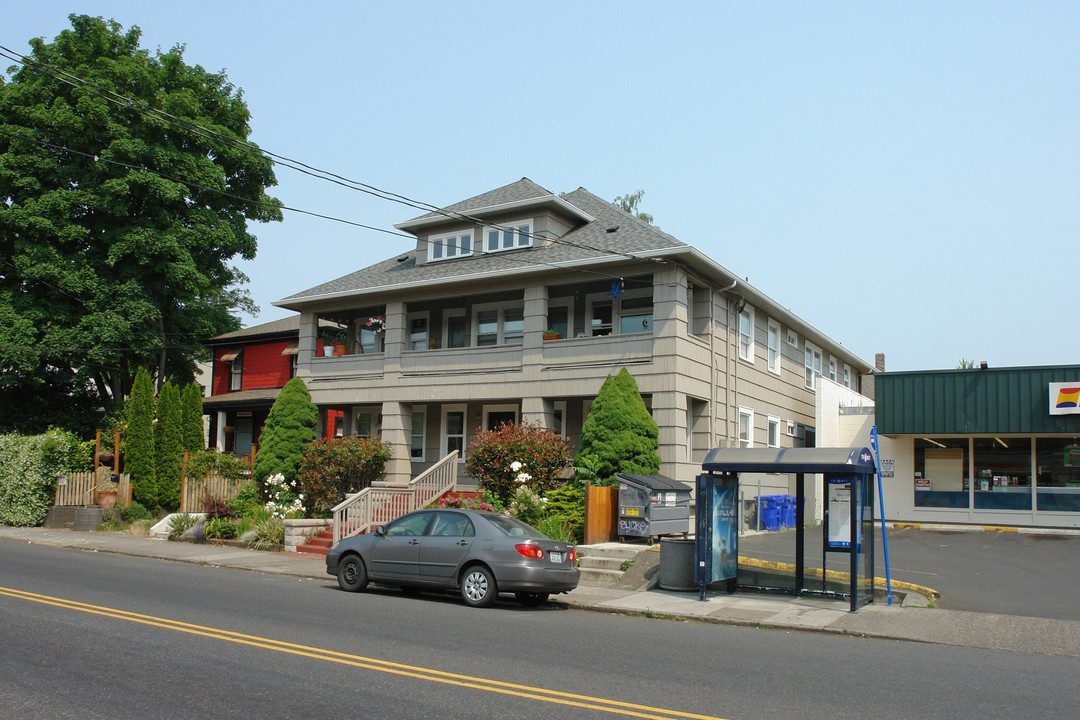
[(333, 343), (552, 334)]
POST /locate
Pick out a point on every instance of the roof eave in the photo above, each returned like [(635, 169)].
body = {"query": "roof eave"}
[(466, 215)]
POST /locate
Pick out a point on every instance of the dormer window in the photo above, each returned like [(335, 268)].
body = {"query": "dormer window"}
[(451, 245), (508, 236)]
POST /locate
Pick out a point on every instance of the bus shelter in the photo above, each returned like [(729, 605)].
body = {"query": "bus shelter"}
[(848, 529)]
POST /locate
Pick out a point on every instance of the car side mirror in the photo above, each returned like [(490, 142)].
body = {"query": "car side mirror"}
[(380, 530)]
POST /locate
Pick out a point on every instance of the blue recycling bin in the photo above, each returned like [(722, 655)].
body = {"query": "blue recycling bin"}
[(788, 520), (771, 512)]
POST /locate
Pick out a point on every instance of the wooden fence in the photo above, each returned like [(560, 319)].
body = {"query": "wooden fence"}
[(193, 490), (77, 490), (601, 514)]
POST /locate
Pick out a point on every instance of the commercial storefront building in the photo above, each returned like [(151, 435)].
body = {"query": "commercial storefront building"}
[(992, 446)]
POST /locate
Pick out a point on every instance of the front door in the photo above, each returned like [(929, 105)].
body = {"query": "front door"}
[(396, 555)]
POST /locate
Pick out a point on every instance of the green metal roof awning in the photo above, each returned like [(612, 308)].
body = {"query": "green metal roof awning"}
[(789, 460)]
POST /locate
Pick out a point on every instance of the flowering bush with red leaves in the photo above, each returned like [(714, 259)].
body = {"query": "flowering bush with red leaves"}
[(539, 454), (332, 467)]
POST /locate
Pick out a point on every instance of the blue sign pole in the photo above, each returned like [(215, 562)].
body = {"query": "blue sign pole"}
[(881, 503)]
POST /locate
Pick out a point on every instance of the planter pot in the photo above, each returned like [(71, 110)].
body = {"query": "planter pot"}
[(552, 336), (339, 349), (106, 500), (328, 350)]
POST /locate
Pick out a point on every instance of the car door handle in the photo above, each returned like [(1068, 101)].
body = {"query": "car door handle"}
[(414, 542), (463, 543)]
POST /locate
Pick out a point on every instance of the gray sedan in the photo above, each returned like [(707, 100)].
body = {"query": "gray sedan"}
[(480, 554)]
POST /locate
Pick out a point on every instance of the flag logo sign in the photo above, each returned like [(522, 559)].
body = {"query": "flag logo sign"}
[(1064, 398)]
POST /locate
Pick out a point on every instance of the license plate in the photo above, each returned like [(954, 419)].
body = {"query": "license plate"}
[(556, 557), (631, 511)]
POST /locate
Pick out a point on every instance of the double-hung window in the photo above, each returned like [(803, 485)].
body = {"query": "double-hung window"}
[(455, 328), (811, 364), (235, 360), (832, 369), (746, 334), (418, 331), (452, 245), (499, 325), (746, 427), (772, 437), (632, 312), (508, 236), (453, 430), (417, 434), (774, 347)]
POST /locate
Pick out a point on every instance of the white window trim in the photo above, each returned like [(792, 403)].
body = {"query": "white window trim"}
[(745, 412), (847, 375), (792, 338), (409, 317), (443, 437), (418, 410), (236, 372), (772, 422), (448, 315), (560, 406), (814, 353), (488, 409), (501, 308), (832, 369), (774, 331), (746, 354), (616, 309), (440, 242), (523, 238)]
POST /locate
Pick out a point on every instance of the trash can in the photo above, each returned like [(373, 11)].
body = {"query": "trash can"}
[(770, 513), (789, 511), (651, 506), (677, 565)]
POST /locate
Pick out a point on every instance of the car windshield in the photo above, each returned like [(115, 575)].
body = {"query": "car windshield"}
[(514, 527)]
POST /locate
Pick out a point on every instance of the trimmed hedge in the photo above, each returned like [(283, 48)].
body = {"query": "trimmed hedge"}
[(29, 466)]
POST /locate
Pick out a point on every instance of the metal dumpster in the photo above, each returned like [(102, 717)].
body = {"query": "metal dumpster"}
[(651, 506)]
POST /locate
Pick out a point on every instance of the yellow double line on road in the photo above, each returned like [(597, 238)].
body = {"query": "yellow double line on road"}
[(412, 671)]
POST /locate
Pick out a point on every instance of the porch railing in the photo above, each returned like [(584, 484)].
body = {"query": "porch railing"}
[(374, 506)]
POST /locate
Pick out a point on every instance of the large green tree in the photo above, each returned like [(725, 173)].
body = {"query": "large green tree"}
[(126, 184), (619, 434)]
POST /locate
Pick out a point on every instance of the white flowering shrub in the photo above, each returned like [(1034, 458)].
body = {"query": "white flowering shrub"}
[(285, 501), (29, 466)]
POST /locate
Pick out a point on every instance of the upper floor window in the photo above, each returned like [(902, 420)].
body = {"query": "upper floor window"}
[(235, 359), (812, 365), (832, 369), (772, 437), (746, 427), (632, 312), (508, 236), (452, 245), (847, 376), (418, 331), (746, 334), (774, 347)]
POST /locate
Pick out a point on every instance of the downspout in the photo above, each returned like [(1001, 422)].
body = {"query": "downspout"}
[(727, 366)]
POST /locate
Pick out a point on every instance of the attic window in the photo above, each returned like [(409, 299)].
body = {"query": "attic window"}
[(449, 246), (509, 236)]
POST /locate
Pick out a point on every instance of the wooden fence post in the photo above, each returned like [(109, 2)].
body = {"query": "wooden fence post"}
[(97, 450), (116, 456)]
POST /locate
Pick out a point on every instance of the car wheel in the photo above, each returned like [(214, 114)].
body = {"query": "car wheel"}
[(529, 599), (351, 575), (478, 586)]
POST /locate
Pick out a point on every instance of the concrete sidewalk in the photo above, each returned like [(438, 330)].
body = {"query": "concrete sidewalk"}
[(945, 627)]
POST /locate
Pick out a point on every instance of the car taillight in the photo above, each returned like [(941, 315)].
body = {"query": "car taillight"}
[(530, 551), (573, 554)]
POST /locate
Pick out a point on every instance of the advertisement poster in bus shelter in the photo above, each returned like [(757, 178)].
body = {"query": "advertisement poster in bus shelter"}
[(725, 538)]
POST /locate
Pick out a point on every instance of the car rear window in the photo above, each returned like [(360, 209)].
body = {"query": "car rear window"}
[(514, 527)]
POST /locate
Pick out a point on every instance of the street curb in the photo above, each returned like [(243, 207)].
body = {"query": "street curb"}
[(838, 575)]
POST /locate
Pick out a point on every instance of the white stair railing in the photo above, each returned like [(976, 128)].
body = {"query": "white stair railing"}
[(379, 505)]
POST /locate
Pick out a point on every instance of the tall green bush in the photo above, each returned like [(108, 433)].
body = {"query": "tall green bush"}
[(167, 446), (332, 467), (29, 466), (191, 419), (541, 454), (139, 454), (289, 429), (619, 435)]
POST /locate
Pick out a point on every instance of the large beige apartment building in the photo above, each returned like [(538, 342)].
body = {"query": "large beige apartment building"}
[(516, 305)]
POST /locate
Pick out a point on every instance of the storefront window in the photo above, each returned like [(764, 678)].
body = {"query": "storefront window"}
[(1058, 463), (1002, 473), (941, 472)]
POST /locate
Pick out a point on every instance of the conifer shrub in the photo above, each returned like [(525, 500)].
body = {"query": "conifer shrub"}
[(619, 434), (139, 451), (289, 429), (192, 438), (168, 452)]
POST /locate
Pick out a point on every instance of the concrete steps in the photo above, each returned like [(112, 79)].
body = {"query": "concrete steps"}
[(601, 564), (318, 544)]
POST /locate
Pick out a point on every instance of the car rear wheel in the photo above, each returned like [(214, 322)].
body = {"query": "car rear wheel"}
[(478, 586), (529, 599), (351, 574)]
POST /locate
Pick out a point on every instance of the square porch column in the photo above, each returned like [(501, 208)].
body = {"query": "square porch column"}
[(396, 418)]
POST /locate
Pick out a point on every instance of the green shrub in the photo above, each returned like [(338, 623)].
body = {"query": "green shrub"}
[(230, 467), (139, 444), (527, 506), (557, 529), (248, 502), (134, 511), (219, 527), (29, 466), (269, 531), (566, 504), (191, 419), (513, 455), (619, 434), (290, 427), (168, 452), (333, 467), (486, 502)]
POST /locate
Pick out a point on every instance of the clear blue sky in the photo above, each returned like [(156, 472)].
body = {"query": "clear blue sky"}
[(904, 176)]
